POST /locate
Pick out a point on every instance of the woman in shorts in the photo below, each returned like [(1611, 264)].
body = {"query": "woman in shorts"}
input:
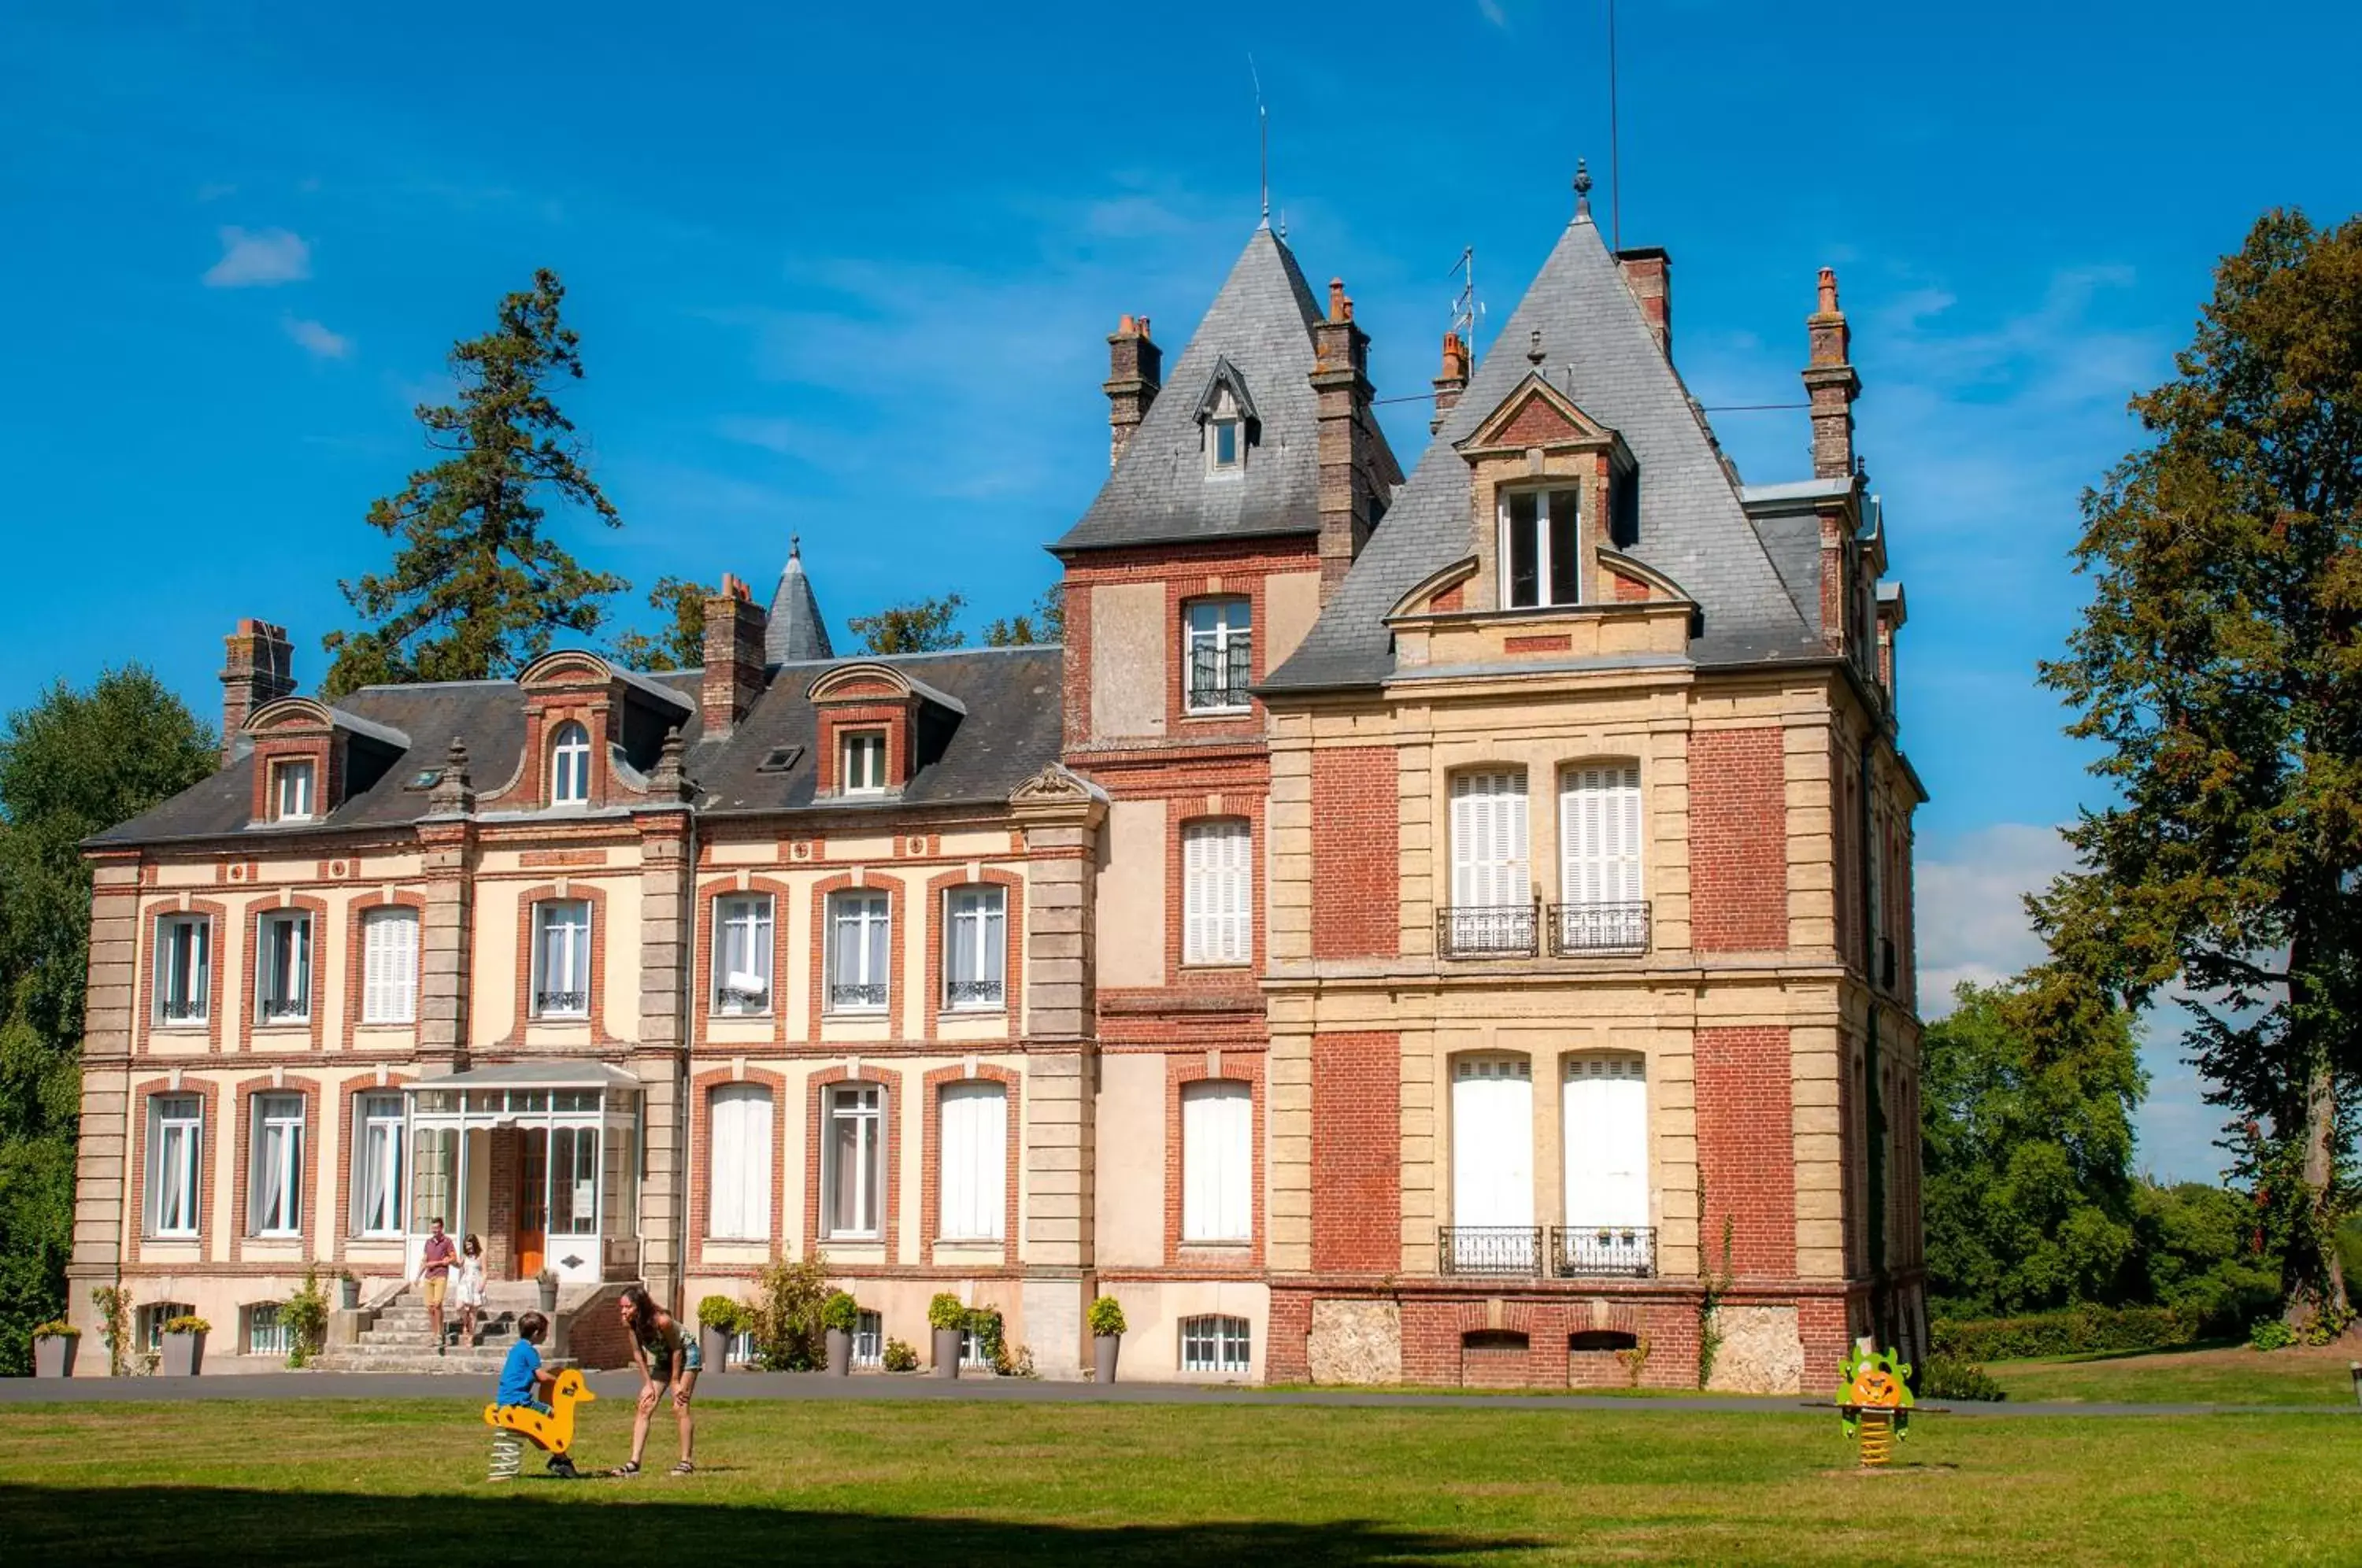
[(668, 1358)]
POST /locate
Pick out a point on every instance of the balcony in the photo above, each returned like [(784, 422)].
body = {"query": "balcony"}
[(1489, 1251), (1488, 931), (283, 1009), (182, 1012), (1590, 1250), (980, 994), (856, 998), (1575, 1251), (561, 1004), (1583, 931)]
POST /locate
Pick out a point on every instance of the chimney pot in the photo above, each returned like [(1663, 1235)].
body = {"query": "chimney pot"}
[(733, 657), (1340, 307), (1831, 383), (1453, 381)]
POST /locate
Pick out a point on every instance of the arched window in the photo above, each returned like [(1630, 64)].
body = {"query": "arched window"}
[(570, 770)]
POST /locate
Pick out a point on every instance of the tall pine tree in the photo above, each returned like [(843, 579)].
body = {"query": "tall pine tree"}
[(477, 589), (2219, 668)]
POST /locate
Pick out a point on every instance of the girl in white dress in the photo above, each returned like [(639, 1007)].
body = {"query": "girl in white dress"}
[(467, 1288)]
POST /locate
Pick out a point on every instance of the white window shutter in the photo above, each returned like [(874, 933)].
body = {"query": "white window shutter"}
[(1236, 1163), (971, 1193), (740, 1162)]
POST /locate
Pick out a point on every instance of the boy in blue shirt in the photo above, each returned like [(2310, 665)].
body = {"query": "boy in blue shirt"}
[(523, 1381)]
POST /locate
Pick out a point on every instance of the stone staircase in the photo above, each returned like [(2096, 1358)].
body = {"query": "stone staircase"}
[(398, 1341)]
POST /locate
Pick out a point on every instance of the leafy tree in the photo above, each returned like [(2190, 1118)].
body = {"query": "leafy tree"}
[(477, 590), (2200, 1252), (2219, 668), (2026, 1190), (924, 626), (680, 644), (70, 765), (1046, 624)]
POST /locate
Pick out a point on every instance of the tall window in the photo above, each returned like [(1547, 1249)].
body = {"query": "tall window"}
[(864, 770), (742, 954), (1492, 893), (561, 959), (1218, 651), (1493, 1166), (858, 973), (1874, 865), (854, 1165), (290, 797), (1217, 1161), (175, 1132), (390, 965), (274, 1203), (975, 946), (1214, 1344), (1226, 436), (1599, 833), (282, 960), (1605, 1113), (570, 766), (740, 1141), (1217, 893), (971, 1189), (377, 1164), (184, 968), (1540, 557)]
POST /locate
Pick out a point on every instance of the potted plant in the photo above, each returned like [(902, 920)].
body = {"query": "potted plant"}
[(548, 1280), (184, 1346), (349, 1291), (948, 1318), (54, 1345), (901, 1356), (720, 1320), (840, 1315), (1105, 1318)]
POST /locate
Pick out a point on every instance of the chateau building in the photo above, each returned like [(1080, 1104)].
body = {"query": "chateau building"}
[(1444, 926)]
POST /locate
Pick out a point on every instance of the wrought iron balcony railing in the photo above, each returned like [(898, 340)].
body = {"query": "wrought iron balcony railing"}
[(1510, 1252), (973, 993), (1487, 931), (283, 1009), (1582, 930), (1219, 677), (744, 999), (190, 1010), (1579, 1250), (561, 1004), (853, 999)]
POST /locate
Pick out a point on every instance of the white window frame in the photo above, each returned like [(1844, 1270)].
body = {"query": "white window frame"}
[(861, 762), (869, 1340), (185, 970), (274, 1194), (744, 949), (272, 1005), (741, 1129), (568, 941), (1493, 1156), (975, 948), (862, 1107), (294, 785), (1217, 1161), (261, 1316), (1604, 1139), (1225, 418), (1215, 1343), (1217, 891), (176, 1141), (378, 1144), (1544, 562), (1602, 837), (865, 918), (972, 1160), (1226, 640), (570, 765), (390, 965)]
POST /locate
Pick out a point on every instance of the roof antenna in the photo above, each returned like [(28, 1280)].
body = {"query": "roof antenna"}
[(1615, 167), (1466, 308), (1263, 125)]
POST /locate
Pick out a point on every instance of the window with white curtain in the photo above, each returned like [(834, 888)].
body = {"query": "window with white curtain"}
[(561, 959), (1217, 1161), (274, 1204), (1540, 555), (863, 763), (377, 1164), (742, 954), (853, 1164), (858, 938), (972, 1184), (975, 947), (390, 965), (1218, 653), (175, 1133), (1599, 837), (282, 967), (291, 791), (739, 1144), (570, 765), (183, 969), (1216, 892), (1492, 892)]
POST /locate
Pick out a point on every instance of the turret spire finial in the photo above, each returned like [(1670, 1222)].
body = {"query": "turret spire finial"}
[(1582, 191)]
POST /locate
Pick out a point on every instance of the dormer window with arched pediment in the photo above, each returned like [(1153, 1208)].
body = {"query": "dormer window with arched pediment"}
[(1227, 417), (570, 765)]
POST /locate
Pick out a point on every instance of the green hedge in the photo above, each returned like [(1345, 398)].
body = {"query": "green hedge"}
[(2076, 1331)]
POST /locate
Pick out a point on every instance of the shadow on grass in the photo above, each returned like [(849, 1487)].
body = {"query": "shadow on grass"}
[(531, 1519), (2089, 1358)]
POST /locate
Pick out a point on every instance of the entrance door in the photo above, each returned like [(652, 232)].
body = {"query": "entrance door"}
[(532, 1200), (1493, 1167)]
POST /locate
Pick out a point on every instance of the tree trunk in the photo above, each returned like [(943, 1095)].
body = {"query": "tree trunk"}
[(2312, 1278)]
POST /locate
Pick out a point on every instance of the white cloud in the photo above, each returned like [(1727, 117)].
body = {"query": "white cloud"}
[(1972, 922), (316, 339), (261, 257)]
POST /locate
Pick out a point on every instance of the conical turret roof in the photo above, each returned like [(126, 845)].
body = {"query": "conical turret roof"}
[(798, 633)]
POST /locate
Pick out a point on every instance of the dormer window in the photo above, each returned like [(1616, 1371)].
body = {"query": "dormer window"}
[(1226, 436), (570, 766), (864, 771), (1540, 558), (291, 791)]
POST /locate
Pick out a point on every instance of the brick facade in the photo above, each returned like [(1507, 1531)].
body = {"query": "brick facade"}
[(1738, 841), (1746, 1153), (1355, 860), (1356, 1153)]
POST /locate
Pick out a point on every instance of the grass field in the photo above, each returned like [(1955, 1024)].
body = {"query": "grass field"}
[(952, 1482), (2228, 1376)]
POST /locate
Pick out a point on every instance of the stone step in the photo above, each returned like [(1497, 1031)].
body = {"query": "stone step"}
[(465, 1363)]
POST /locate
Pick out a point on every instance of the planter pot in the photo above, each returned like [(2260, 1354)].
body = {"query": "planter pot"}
[(55, 1357), (548, 1296), (1103, 1353), (349, 1294), (714, 1345), (947, 1349), (184, 1355), (840, 1352)]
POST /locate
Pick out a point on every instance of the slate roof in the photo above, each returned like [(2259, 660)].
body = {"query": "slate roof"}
[(797, 633), (1601, 353), (1159, 492)]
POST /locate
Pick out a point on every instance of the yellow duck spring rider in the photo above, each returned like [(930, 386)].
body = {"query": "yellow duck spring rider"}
[(513, 1426)]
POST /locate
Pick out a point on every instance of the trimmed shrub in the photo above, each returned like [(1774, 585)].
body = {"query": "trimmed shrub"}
[(946, 1312), (2270, 1334), (1107, 1316), (900, 1356), (1947, 1377), (724, 1315), (2075, 1331), (841, 1312)]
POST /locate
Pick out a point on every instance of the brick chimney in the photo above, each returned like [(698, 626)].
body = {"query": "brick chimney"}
[(1135, 375), (1649, 275), (1831, 384), (1453, 381), (1349, 485), (260, 668), (733, 657)]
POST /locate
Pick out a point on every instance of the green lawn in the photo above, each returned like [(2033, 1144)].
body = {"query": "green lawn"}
[(882, 1481), (2228, 1376)]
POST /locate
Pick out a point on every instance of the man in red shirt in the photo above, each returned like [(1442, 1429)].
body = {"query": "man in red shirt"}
[(434, 1274)]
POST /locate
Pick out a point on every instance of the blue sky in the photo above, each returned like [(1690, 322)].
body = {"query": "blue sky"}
[(848, 273)]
